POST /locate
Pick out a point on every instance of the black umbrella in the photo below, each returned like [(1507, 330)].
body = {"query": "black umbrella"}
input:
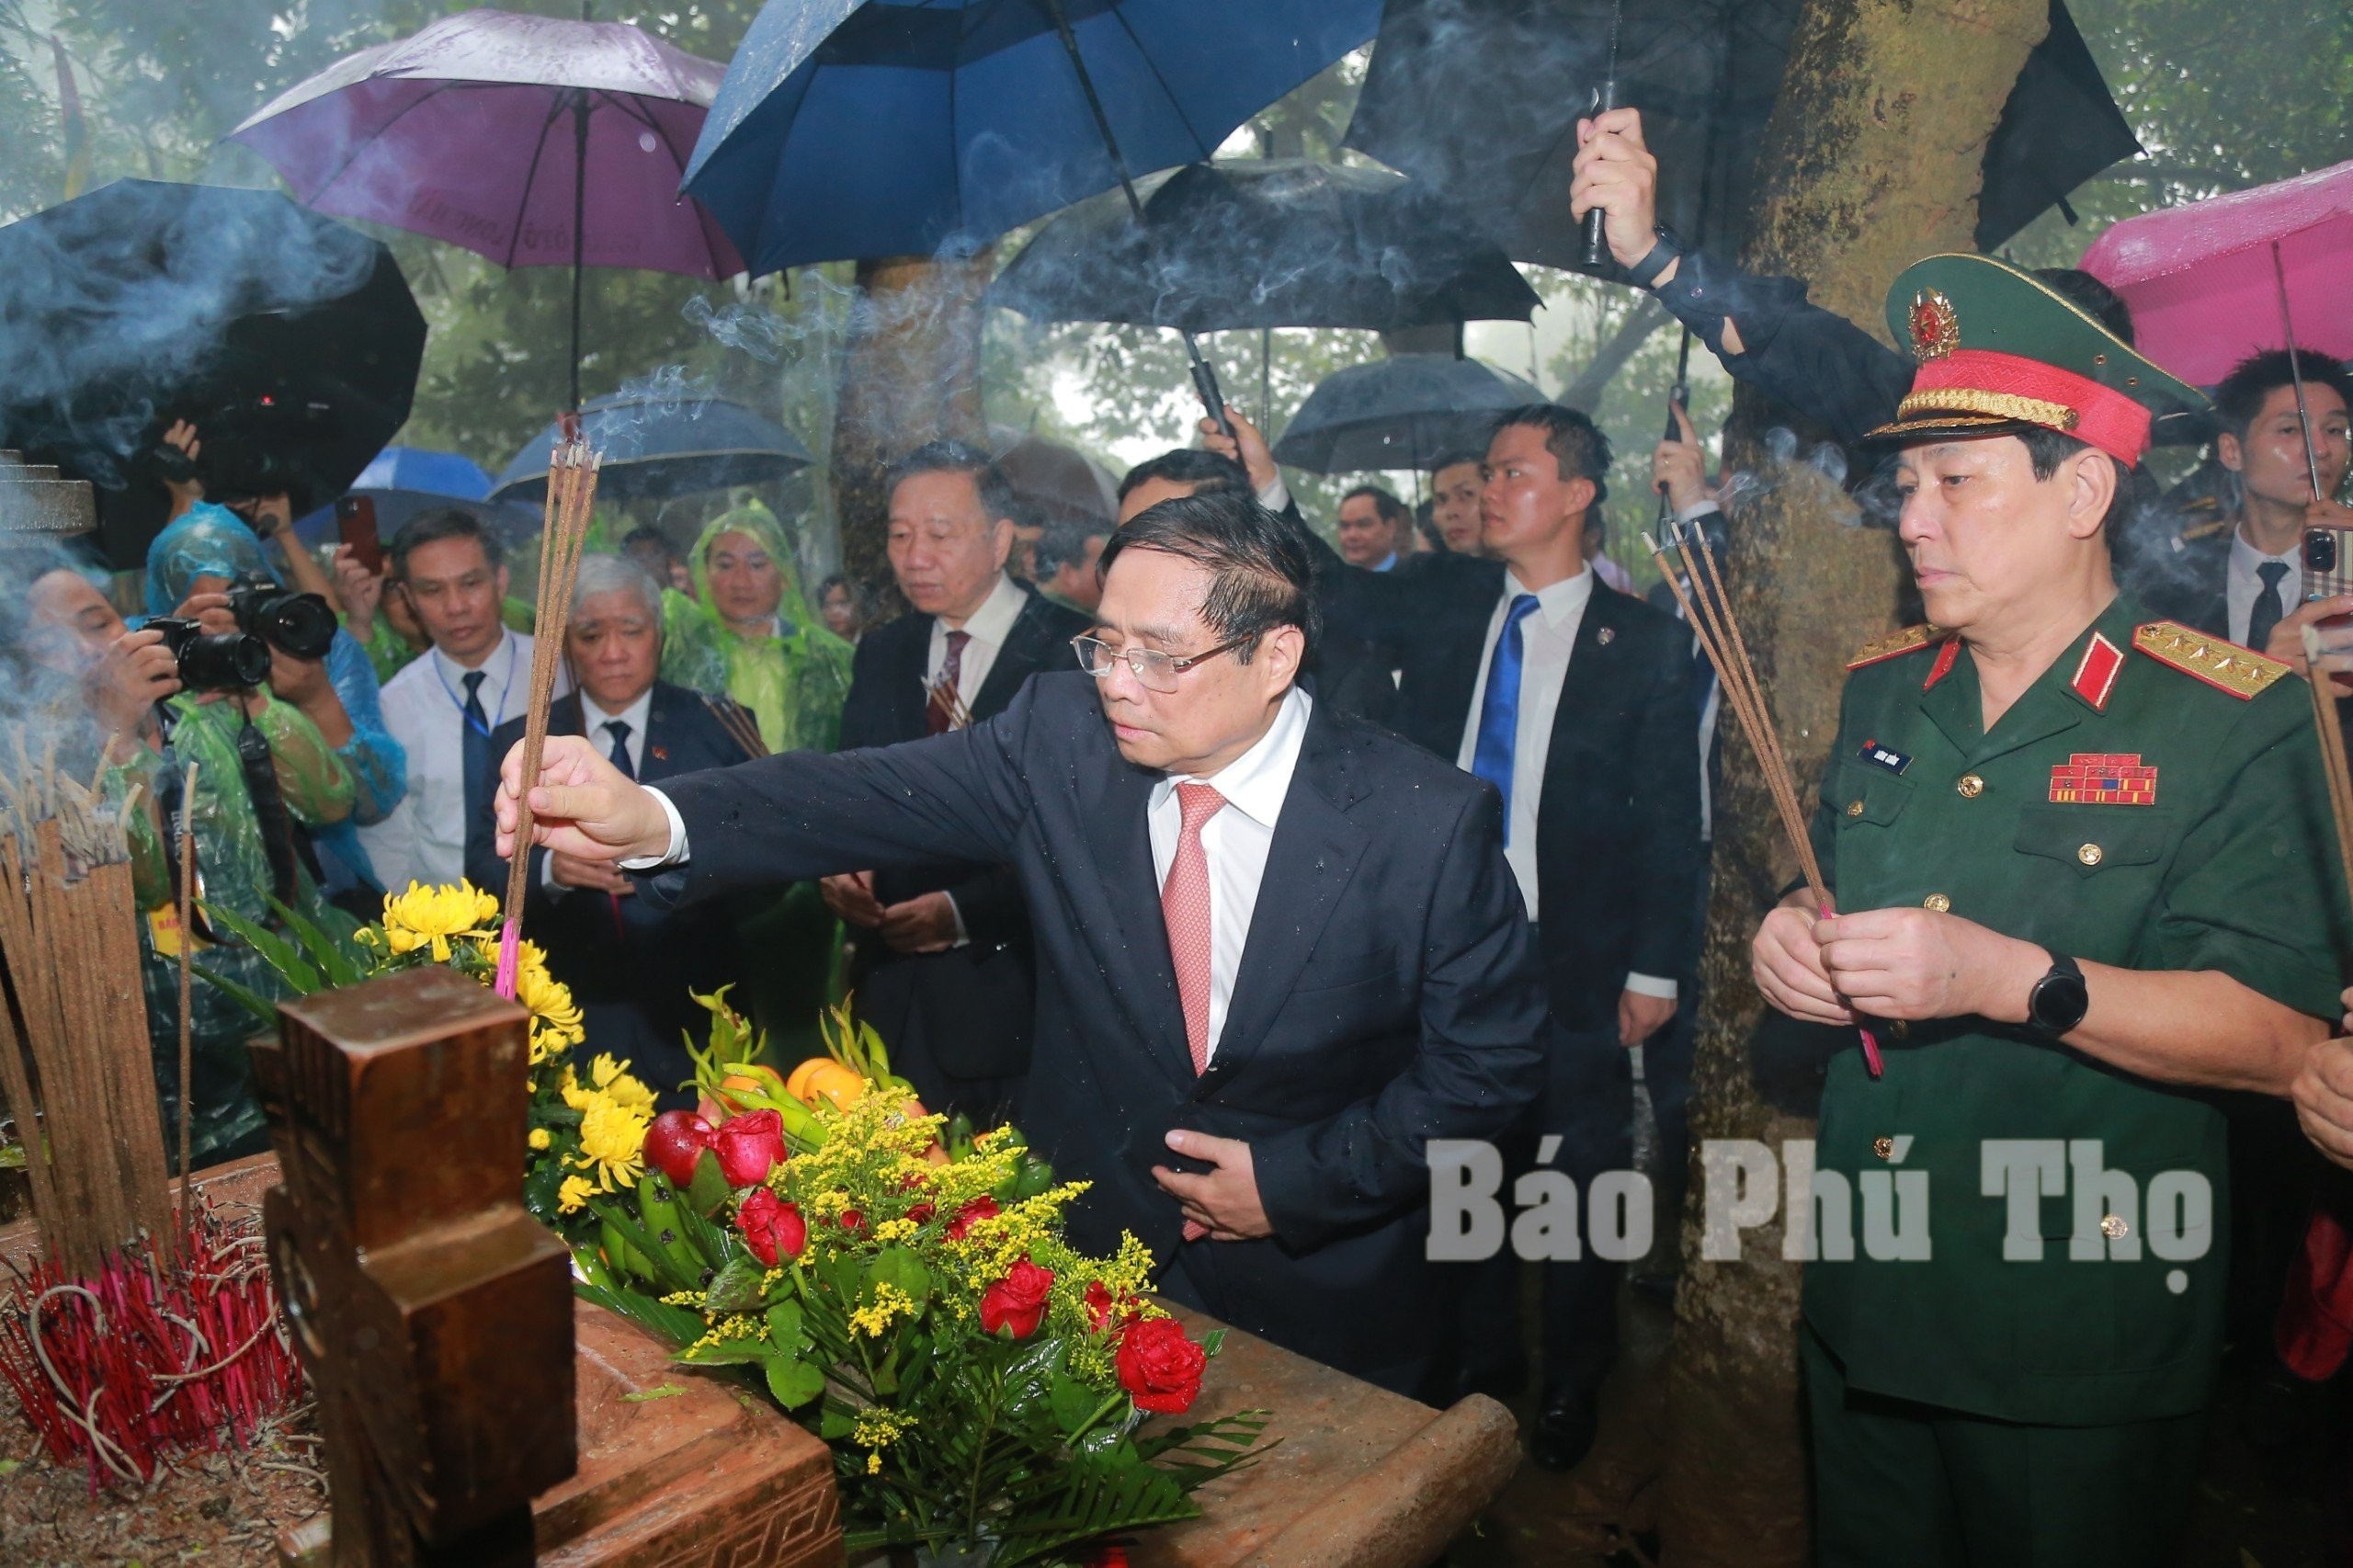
[(658, 445), (291, 340), (1481, 99), (1266, 243), (1403, 412)]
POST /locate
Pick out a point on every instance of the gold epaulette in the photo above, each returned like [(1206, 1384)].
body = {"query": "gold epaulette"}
[(2206, 530), (1895, 642), (2226, 666)]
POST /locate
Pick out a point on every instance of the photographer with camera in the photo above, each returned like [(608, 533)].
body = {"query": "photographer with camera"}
[(195, 691), (208, 565)]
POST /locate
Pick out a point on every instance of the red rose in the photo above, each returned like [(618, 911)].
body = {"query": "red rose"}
[(851, 1220), (1159, 1366), (979, 1208), (922, 1212), (771, 1228), (674, 1143), (749, 1146), (1101, 1305), (1018, 1301)]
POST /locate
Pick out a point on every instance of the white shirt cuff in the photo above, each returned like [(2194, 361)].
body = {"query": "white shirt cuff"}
[(1651, 985), (963, 938), (1696, 510), (1276, 497), (678, 850), (547, 878)]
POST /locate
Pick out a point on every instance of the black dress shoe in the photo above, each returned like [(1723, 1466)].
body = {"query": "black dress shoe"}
[(1563, 1434)]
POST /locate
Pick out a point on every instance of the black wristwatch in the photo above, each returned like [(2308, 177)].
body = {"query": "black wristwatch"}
[(1661, 254), (2060, 999)]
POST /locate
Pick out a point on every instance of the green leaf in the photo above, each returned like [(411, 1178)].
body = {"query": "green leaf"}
[(898, 1266), (243, 995), (337, 960), (794, 1383), (708, 1189), (666, 1390), (637, 1236), (1073, 1401), (740, 1287), (726, 1352), (835, 1425), (784, 1327), (272, 950)]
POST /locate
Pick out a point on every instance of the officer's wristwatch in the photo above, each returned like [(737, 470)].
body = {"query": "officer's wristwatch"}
[(1663, 253), (2060, 999)]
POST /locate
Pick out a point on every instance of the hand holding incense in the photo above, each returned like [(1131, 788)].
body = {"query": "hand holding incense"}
[(1708, 610)]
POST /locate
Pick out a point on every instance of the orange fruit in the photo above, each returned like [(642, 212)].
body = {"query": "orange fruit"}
[(830, 1080)]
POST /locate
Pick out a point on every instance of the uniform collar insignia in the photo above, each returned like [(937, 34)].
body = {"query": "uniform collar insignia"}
[(2096, 672), (1946, 657)]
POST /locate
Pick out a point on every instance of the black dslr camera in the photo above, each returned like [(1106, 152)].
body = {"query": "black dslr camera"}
[(300, 623), (212, 661)]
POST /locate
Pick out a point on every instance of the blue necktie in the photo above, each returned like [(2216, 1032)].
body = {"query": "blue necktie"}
[(1499, 709), (477, 765), (618, 755)]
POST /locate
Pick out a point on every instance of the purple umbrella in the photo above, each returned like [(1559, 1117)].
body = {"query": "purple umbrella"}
[(460, 134)]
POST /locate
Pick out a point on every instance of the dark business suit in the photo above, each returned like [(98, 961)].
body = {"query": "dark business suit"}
[(957, 1022), (1387, 995), (1617, 864), (630, 962)]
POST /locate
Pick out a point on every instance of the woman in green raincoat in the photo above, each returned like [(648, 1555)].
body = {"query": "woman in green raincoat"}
[(749, 634)]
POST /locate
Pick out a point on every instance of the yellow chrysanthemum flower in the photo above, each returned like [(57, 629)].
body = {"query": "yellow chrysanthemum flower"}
[(433, 916), (612, 1140), (573, 1194), (540, 1138), (614, 1079)]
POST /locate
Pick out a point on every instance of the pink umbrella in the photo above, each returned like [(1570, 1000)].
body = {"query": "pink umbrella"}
[(482, 131), (2206, 281)]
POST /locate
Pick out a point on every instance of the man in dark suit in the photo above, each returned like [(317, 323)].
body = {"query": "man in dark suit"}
[(629, 963), (1576, 702), (943, 969), (1277, 947)]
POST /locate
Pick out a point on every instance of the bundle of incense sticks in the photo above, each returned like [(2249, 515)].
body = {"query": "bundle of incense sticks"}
[(69, 957), (1708, 608), (2332, 749), (942, 694), (740, 727), (571, 498)]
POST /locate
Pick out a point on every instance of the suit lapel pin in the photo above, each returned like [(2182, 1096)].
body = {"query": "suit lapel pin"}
[(1605, 636), (661, 753)]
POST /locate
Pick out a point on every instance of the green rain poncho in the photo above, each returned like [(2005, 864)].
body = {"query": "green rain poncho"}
[(793, 684)]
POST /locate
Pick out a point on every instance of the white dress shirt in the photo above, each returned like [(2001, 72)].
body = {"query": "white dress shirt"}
[(1547, 638), (1234, 841), (592, 720), (988, 628), (424, 839), (2240, 583)]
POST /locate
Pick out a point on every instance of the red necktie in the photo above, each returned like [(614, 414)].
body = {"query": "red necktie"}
[(1185, 907), (940, 716)]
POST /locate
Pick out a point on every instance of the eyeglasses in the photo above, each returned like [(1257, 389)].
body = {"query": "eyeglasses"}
[(1155, 671)]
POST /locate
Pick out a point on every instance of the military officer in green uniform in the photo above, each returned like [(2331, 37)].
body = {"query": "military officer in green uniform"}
[(2082, 873)]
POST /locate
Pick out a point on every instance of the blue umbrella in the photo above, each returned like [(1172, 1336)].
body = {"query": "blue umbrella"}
[(893, 127), (415, 468), (658, 445)]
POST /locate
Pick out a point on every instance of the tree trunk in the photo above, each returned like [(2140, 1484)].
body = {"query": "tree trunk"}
[(911, 373), (1873, 158)]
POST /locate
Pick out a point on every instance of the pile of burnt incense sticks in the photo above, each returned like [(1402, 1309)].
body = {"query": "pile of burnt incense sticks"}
[(75, 1060)]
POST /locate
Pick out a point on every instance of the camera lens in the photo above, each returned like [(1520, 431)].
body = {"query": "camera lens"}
[(224, 661), (300, 623)]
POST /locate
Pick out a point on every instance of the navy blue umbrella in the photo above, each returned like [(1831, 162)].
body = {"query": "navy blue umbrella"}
[(657, 447), (893, 127)]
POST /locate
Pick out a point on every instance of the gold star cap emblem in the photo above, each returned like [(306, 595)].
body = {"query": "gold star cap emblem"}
[(1935, 325)]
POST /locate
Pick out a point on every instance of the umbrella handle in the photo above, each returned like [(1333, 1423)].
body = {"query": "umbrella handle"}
[(2296, 373)]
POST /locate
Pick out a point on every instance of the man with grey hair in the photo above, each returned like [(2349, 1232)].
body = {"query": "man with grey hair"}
[(629, 965)]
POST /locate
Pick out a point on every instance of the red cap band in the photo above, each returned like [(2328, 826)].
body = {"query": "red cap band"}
[(1983, 383)]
